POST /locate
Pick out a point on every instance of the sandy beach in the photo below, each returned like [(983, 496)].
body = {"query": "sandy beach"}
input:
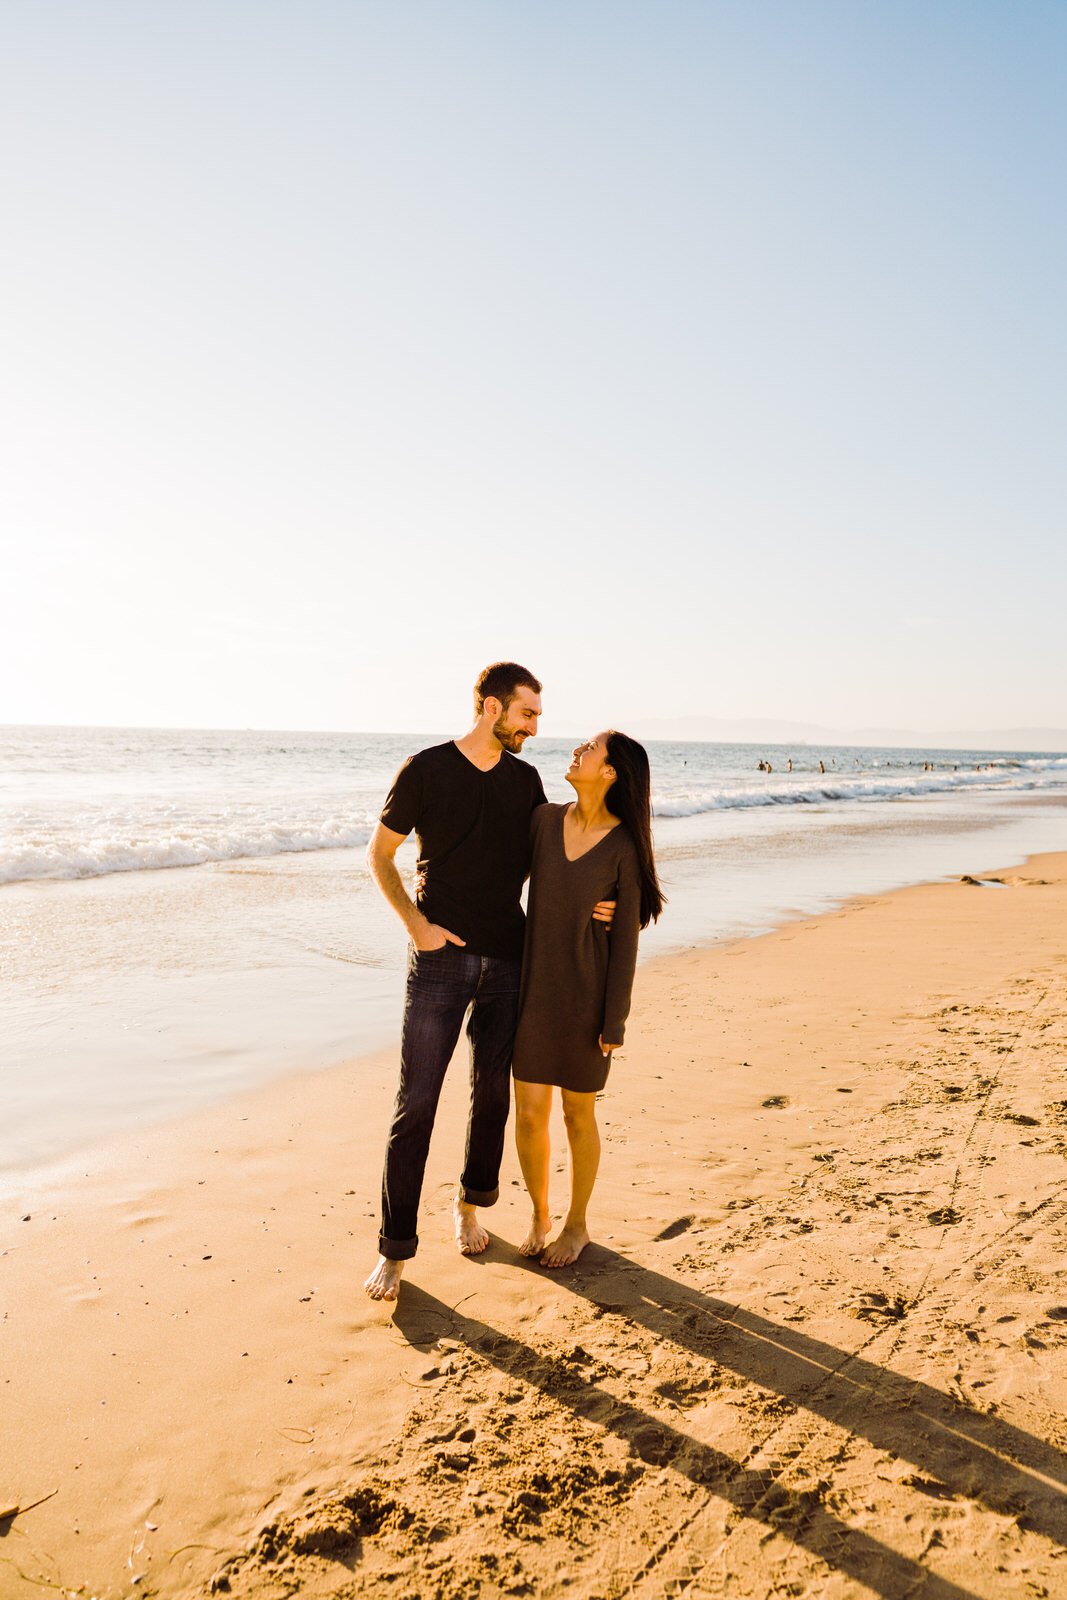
[(816, 1349)]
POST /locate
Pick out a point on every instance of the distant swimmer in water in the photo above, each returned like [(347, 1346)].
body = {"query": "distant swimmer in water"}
[(821, 767), (789, 764), (768, 767)]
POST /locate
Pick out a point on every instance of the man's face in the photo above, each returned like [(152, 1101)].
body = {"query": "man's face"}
[(519, 722)]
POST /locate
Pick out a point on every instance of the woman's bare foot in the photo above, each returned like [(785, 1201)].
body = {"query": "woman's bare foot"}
[(566, 1247), (384, 1281), (534, 1241), (471, 1237)]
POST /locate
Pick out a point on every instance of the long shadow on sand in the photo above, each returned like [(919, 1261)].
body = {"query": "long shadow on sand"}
[(972, 1454)]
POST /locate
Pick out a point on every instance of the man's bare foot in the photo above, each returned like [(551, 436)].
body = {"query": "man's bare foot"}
[(534, 1241), (384, 1281), (471, 1237), (566, 1247)]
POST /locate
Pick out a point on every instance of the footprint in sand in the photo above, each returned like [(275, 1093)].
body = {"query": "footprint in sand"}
[(944, 1216), (684, 1392), (655, 1446), (873, 1306)]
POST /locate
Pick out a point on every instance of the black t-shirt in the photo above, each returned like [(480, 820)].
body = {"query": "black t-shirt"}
[(473, 830)]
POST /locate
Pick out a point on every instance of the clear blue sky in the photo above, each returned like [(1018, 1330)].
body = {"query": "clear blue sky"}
[(709, 357)]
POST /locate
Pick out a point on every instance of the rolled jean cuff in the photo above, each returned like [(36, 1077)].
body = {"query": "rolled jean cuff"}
[(478, 1197), (397, 1249)]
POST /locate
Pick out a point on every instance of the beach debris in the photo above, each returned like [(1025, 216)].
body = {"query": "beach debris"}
[(673, 1229), (944, 1216), (775, 1102), (16, 1509), (930, 1486), (984, 883)]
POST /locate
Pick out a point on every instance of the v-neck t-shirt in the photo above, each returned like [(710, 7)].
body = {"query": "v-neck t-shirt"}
[(473, 832)]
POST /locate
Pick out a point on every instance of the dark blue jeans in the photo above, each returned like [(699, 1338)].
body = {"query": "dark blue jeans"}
[(441, 985)]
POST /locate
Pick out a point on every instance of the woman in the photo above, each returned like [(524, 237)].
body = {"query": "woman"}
[(576, 976)]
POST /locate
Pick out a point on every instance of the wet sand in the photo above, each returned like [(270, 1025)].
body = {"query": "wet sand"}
[(816, 1350)]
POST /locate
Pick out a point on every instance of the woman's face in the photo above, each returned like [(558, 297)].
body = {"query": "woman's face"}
[(589, 759)]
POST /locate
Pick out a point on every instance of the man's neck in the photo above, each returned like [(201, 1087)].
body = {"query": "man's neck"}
[(481, 747)]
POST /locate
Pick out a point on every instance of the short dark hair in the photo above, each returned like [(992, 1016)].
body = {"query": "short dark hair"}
[(501, 682)]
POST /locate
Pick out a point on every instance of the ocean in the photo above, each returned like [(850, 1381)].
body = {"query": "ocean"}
[(184, 914), (84, 802)]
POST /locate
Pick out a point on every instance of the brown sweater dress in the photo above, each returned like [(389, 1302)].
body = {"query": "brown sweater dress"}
[(576, 976)]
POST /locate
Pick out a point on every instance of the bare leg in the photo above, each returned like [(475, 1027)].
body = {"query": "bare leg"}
[(384, 1281), (471, 1237), (583, 1139), (533, 1106)]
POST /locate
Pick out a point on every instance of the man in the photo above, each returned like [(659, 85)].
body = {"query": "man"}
[(469, 802)]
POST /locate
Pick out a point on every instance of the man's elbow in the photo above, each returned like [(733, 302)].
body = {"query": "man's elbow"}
[(381, 849), (375, 855)]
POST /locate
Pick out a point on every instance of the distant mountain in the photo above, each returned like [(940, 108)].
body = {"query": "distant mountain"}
[(769, 730)]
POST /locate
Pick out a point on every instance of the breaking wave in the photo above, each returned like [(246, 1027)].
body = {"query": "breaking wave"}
[(802, 791), (100, 854)]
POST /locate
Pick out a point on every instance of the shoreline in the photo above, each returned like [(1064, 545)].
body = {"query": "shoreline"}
[(131, 1001), (189, 1359)]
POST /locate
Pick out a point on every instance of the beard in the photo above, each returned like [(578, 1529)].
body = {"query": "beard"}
[(512, 739)]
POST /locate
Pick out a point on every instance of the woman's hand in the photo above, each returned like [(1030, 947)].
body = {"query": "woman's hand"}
[(605, 1049), (604, 911)]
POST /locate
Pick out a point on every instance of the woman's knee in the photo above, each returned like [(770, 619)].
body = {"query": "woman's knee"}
[(579, 1112), (532, 1112)]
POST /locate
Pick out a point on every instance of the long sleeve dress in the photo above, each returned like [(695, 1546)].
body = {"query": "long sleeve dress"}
[(577, 976)]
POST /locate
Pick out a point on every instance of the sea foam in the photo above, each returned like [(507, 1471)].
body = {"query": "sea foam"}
[(100, 854), (868, 786)]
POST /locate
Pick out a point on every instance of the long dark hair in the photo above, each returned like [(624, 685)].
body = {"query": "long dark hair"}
[(630, 799)]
